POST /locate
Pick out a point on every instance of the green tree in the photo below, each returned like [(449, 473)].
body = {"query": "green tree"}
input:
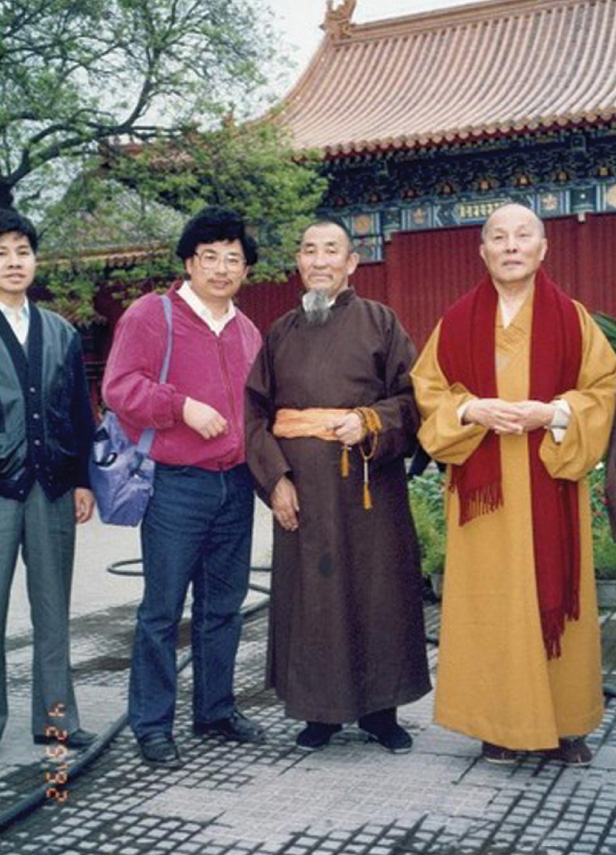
[(77, 74), (252, 168), (141, 199)]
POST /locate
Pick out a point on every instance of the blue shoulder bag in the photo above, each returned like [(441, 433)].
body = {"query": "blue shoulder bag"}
[(121, 472)]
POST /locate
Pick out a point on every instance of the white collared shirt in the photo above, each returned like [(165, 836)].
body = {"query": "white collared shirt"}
[(19, 319), (217, 325)]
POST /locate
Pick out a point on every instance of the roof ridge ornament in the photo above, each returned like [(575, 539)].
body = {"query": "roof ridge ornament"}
[(337, 23)]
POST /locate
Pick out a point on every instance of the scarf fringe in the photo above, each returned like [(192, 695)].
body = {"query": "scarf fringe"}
[(479, 501), (572, 611), (552, 626)]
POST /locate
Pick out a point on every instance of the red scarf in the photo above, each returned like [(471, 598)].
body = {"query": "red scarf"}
[(467, 354)]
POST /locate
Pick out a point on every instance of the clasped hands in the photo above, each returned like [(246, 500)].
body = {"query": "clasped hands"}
[(505, 417), (348, 428)]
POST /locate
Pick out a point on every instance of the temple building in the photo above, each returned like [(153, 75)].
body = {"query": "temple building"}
[(430, 121)]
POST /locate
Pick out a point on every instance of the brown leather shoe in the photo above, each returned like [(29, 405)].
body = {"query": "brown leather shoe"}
[(498, 754)]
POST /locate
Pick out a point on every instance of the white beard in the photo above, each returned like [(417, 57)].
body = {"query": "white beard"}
[(317, 306)]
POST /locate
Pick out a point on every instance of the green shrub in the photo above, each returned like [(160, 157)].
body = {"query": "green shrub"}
[(607, 325), (427, 493), (603, 545), (426, 496)]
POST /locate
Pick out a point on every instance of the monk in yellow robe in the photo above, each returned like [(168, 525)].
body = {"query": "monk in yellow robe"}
[(516, 390)]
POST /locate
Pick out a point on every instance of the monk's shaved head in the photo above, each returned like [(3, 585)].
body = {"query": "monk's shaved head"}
[(513, 246), (511, 208)]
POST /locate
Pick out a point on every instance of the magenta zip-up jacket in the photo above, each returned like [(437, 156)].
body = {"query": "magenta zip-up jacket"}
[(208, 368)]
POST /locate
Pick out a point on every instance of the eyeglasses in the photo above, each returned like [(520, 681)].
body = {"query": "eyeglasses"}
[(209, 259)]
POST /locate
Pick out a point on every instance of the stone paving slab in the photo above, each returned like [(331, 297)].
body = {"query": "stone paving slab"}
[(97, 547), (352, 798)]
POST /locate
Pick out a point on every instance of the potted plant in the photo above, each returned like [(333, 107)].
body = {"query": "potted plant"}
[(603, 543), (426, 497), (604, 548)]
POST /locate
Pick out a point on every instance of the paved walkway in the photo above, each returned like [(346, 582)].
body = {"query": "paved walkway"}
[(351, 798)]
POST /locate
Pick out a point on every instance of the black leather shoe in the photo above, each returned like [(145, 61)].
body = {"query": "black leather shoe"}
[(498, 754), (77, 739), (236, 728), (160, 751), (316, 735)]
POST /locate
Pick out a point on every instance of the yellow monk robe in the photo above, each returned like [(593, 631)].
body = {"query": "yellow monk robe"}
[(495, 682)]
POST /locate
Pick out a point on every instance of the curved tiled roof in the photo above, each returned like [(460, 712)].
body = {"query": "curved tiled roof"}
[(480, 70)]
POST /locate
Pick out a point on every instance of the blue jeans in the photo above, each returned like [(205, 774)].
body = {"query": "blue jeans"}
[(197, 528)]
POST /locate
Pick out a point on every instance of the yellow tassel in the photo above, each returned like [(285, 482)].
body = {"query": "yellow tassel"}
[(344, 462), (367, 498)]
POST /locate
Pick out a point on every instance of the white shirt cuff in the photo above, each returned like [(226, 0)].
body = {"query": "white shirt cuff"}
[(560, 419), (462, 409)]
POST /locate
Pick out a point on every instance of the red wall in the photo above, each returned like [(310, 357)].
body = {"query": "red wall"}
[(582, 258), (266, 301), (427, 271), (424, 272)]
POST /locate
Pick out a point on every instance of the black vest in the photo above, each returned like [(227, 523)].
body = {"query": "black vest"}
[(45, 416)]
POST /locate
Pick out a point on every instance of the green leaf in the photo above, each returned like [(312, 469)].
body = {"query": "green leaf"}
[(607, 325)]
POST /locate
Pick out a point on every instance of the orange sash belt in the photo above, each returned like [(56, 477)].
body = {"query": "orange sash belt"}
[(315, 422), (318, 423)]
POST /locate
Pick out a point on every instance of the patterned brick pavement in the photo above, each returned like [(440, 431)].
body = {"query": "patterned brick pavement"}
[(351, 798)]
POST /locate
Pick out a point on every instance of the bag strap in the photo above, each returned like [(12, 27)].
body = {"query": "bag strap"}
[(147, 437)]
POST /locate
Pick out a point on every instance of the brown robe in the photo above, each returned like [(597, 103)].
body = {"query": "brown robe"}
[(346, 628)]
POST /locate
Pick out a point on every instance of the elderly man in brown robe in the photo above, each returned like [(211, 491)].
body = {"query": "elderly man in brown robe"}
[(516, 389), (330, 417)]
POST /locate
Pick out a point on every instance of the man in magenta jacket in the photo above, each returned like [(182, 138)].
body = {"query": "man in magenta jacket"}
[(198, 525)]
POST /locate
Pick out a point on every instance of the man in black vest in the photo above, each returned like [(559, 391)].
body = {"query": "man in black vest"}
[(46, 429)]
